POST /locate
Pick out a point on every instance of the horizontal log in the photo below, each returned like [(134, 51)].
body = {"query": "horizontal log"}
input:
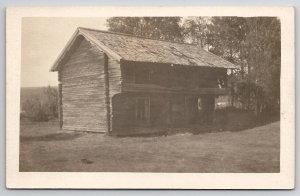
[(150, 88), (83, 90), (75, 128)]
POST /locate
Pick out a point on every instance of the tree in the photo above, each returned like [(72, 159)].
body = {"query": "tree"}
[(42, 107), (165, 28), (196, 30), (222, 36), (254, 44), (226, 37), (263, 56)]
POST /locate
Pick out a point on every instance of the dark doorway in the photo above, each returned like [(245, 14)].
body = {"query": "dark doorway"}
[(192, 109), (178, 111), (160, 111), (142, 111)]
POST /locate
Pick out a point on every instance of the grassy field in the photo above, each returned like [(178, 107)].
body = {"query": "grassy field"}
[(43, 147)]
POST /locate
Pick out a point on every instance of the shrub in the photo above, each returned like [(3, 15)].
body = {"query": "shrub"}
[(42, 107), (51, 102)]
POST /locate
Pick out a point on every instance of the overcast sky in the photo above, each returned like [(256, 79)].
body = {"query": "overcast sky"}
[(42, 41)]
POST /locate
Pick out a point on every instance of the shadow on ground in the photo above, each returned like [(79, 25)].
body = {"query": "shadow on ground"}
[(51, 137), (225, 120)]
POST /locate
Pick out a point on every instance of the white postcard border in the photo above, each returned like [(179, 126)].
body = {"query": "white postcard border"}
[(116, 180)]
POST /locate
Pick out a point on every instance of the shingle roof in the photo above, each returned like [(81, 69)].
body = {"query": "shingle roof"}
[(139, 49)]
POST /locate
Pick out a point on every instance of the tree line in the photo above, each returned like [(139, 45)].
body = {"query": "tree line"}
[(253, 43)]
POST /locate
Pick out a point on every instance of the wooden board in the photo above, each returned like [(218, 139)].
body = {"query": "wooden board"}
[(83, 89)]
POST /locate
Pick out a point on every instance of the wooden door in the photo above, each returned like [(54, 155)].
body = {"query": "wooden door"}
[(142, 111), (178, 111), (191, 110)]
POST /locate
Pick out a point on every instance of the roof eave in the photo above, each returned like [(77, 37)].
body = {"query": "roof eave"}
[(230, 66), (64, 51), (92, 40), (100, 45)]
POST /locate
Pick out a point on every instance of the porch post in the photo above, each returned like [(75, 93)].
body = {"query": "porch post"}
[(107, 97), (60, 107)]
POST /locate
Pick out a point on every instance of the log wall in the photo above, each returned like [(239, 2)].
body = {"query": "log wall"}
[(166, 110), (92, 97), (60, 109), (174, 76), (123, 112), (114, 79), (174, 94), (83, 89)]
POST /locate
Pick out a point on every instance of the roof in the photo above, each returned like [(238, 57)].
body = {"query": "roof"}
[(139, 49)]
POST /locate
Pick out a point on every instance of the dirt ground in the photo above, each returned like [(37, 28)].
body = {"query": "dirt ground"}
[(43, 147)]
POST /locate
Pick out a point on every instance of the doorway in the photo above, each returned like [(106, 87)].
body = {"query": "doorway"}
[(192, 110), (142, 111)]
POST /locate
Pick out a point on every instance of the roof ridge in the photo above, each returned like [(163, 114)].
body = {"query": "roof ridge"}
[(138, 36)]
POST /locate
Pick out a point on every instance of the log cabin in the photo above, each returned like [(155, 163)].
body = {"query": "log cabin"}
[(121, 84)]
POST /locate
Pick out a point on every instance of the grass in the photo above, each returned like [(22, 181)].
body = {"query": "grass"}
[(43, 147)]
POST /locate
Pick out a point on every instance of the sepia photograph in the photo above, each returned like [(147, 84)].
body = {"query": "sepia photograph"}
[(150, 94)]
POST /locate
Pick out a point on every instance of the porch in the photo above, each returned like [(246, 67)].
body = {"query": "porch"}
[(150, 111)]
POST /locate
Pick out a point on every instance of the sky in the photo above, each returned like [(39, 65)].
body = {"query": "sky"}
[(42, 41)]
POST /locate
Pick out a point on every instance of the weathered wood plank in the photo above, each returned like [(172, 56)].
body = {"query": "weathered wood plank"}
[(60, 106), (150, 88), (114, 72), (173, 76), (83, 90)]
